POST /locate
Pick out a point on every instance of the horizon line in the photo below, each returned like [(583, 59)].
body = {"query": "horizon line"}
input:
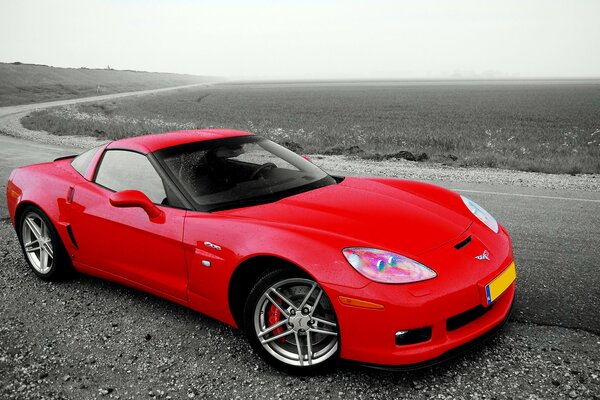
[(235, 79)]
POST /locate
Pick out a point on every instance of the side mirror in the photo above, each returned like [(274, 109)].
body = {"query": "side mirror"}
[(135, 198)]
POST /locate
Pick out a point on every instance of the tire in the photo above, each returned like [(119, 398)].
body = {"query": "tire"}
[(41, 245), (287, 314)]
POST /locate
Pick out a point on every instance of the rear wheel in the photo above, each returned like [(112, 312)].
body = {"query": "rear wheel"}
[(290, 322), (42, 246)]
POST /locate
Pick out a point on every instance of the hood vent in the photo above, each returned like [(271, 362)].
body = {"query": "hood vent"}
[(462, 244)]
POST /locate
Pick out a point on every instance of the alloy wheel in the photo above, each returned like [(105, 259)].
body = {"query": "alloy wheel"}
[(37, 243), (295, 322)]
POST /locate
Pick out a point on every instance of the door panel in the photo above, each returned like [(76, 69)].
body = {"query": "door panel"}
[(125, 242), (210, 243)]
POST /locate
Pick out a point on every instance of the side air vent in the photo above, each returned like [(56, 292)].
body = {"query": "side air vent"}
[(462, 244), (71, 236)]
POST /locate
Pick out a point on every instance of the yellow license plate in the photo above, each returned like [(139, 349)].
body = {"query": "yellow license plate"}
[(495, 288)]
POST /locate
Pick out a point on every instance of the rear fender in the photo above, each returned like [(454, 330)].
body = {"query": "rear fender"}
[(13, 197), (49, 187)]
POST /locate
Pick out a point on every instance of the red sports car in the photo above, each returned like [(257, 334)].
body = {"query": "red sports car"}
[(312, 267)]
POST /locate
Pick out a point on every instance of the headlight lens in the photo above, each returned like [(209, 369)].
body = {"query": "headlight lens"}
[(480, 213), (386, 267)]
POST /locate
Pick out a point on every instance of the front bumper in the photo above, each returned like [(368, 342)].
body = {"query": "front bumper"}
[(450, 354), (369, 336), (453, 307)]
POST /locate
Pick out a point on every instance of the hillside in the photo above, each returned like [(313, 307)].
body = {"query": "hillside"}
[(30, 83)]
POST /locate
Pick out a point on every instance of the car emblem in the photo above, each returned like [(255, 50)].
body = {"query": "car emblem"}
[(484, 256), (212, 246)]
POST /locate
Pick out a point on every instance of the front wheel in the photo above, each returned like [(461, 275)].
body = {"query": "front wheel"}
[(290, 322)]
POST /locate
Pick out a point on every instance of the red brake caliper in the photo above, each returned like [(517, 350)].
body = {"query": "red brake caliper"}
[(274, 317)]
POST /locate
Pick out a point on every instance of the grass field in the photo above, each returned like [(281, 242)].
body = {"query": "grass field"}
[(550, 127), (27, 83)]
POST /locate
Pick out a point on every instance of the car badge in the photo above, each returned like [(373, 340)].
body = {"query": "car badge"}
[(212, 246), (484, 256)]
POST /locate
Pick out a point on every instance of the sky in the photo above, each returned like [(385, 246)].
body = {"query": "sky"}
[(310, 39)]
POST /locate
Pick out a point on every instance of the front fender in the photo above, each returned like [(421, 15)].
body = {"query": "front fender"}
[(234, 240)]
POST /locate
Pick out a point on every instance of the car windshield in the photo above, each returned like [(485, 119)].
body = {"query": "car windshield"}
[(241, 171)]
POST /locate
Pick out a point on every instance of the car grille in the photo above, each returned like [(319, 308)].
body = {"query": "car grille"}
[(462, 319)]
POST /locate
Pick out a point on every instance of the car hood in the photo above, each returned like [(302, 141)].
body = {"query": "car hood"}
[(369, 213)]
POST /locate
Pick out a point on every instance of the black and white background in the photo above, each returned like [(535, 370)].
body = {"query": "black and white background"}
[(497, 100)]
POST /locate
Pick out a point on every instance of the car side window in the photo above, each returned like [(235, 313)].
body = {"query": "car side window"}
[(82, 161), (127, 170)]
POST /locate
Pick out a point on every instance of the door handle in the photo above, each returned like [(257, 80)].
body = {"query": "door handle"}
[(70, 194)]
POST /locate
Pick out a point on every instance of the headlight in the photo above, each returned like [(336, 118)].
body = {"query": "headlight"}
[(386, 267), (480, 213)]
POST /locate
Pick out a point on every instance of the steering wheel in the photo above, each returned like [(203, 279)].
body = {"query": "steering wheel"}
[(258, 171)]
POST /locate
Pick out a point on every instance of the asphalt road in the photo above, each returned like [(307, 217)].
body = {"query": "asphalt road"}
[(16, 152), (556, 237), (557, 251)]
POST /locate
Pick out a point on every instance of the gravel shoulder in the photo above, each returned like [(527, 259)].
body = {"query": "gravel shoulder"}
[(445, 173), (10, 125), (86, 338)]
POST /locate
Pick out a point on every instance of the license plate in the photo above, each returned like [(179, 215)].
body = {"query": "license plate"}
[(495, 288)]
